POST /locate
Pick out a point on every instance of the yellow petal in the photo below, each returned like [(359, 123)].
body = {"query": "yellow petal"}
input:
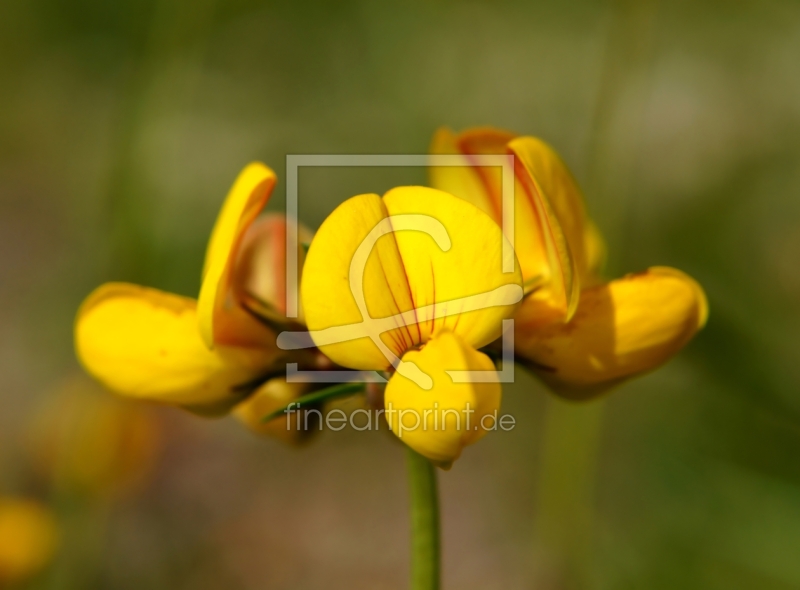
[(28, 539), (327, 297), (144, 343), (479, 185), (554, 180), (438, 423), (621, 329), (441, 281), (259, 279), (221, 320), (275, 394), (555, 243), (542, 245), (595, 255), (443, 251)]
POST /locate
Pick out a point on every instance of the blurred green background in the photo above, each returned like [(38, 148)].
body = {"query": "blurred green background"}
[(122, 125)]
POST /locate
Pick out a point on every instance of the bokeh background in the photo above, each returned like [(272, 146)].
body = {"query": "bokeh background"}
[(122, 125)]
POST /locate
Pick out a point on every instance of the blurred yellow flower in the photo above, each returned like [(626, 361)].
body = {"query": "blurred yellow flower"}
[(274, 395), (413, 283), (205, 355), (581, 336), (28, 539), (87, 442)]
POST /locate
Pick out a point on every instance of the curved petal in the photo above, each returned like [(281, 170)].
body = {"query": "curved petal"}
[(554, 180), (629, 326), (259, 279), (542, 245), (28, 539), (438, 423), (445, 284), (144, 343), (221, 321), (480, 186), (557, 246), (429, 261), (329, 299), (275, 394)]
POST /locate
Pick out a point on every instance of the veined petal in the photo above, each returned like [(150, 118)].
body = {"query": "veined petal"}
[(221, 321), (274, 395), (259, 280), (437, 263), (446, 283), (621, 329), (542, 245), (557, 246), (329, 295), (144, 343), (438, 423), (480, 186), (554, 180)]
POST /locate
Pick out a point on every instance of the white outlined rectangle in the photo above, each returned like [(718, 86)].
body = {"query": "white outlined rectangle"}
[(293, 164)]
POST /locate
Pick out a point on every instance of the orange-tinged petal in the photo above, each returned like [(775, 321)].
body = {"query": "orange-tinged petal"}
[(542, 245), (28, 539), (550, 223), (221, 320), (554, 180), (479, 185), (438, 423), (259, 280), (629, 326), (275, 394), (440, 267), (144, 343)]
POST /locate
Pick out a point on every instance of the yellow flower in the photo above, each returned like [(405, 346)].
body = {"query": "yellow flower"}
[(28, 539), (207, 354), (85, 441), (275, 394), (413, 282), (579, 335)]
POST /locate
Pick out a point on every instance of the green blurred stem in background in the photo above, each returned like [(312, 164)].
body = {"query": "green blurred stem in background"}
[(565, 511), (425, 572)]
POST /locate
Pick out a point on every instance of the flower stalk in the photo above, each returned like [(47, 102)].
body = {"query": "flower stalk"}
[(425, 554)]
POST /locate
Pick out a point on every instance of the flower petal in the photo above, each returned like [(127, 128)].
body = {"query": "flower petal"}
[(144, 343), (328, 299), (542, 246), (554, 180), (472, 267), (545, 199), (221, 321), (259, 280), (273, 395), (438, 423), (479, 185), (621, 329), (442, 250)]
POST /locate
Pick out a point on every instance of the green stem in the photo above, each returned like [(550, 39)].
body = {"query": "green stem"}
[(424, 523), (317, 397)]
